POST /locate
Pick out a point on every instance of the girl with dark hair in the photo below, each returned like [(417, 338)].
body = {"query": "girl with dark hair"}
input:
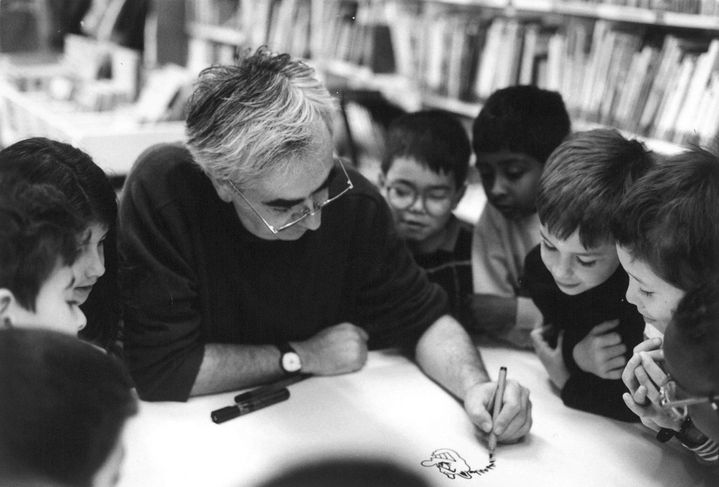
[(92, 198)]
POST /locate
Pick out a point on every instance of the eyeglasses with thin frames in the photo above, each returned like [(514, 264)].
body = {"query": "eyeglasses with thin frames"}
[(668, 399), (307, 212)]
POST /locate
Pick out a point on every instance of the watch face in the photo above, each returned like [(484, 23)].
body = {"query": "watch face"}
[(291, 362)]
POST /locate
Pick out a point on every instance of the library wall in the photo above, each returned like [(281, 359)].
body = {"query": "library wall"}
[(647, 67)]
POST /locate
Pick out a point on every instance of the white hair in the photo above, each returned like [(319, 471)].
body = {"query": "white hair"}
[(246, 119)]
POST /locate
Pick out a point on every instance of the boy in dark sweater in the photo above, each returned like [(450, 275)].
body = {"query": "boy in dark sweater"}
[(574, 276), (423, 178)]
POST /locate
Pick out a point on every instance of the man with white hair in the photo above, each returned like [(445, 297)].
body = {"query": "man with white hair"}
[(252, 253)]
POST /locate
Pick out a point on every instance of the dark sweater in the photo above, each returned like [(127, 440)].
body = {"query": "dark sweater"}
[(192, 274), (576, 316), (451, 268)]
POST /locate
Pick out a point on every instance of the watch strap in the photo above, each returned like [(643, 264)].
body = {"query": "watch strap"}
[(689, 435), (285, 347)]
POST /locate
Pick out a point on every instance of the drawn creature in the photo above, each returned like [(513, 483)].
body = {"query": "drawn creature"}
[(451, 464)]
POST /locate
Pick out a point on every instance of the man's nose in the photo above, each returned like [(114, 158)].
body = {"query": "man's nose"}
[(313, 221)]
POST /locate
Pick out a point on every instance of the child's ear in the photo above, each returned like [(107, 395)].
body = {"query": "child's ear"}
[(6, 301), (458, 195), (381, 179)]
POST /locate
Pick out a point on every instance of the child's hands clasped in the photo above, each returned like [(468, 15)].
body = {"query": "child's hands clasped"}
[(550, 357), (601, 352), (643, 377)]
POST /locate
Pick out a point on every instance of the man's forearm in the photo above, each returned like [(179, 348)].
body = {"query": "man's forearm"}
[(228, 367), (446, 354)]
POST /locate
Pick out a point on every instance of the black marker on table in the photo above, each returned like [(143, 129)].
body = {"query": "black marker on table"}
[(258, 402)]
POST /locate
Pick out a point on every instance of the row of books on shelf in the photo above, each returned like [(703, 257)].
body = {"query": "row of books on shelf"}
[(666, 87), (217, 34), (224, 13)]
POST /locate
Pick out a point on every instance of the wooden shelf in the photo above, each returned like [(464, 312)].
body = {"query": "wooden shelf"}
[(618, 13)]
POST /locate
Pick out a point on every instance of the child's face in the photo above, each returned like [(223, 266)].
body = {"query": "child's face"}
[(421, 199), (90, 264), (575, 268), (510, 181), (654, 297), (55, 307)]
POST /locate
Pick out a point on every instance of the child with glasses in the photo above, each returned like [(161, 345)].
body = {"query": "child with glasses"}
[(512, 137), (691, 359), (423, 178), (574, 276), (668, 242)]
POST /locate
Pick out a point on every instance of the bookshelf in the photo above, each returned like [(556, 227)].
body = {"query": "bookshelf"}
[(647, 67)]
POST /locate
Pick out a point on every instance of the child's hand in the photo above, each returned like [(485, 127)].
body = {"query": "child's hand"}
[(550, 357), (628, 375), (600, 352), (643, 399)]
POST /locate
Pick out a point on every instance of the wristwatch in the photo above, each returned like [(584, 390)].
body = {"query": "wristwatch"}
[(689, 435), (290, 362)]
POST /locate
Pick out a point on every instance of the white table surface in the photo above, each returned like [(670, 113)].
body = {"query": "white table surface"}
[(391, 411)]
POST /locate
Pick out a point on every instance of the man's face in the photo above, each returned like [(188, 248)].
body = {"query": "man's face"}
[(510, 181), (575, 268), (655, 299), (692, 380), (283, 194), (55, 306), (435, 195)]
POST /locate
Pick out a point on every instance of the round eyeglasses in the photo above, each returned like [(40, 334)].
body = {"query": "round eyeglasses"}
[(436, 201), (298, 216)]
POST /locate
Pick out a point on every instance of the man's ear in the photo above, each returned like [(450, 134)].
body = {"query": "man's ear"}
[(459, 195), (223, 190), (7, 298)]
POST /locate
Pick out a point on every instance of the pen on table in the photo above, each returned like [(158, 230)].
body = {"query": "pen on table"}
[(245, 407), (263, 390), (498, 395)]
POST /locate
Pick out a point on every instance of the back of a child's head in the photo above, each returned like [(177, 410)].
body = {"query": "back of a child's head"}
[(64, 404), (352, 471), (584, 181), (695, 329), (38, 232), (69, 169), (434, 138), (522, 119), (669, 218)]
